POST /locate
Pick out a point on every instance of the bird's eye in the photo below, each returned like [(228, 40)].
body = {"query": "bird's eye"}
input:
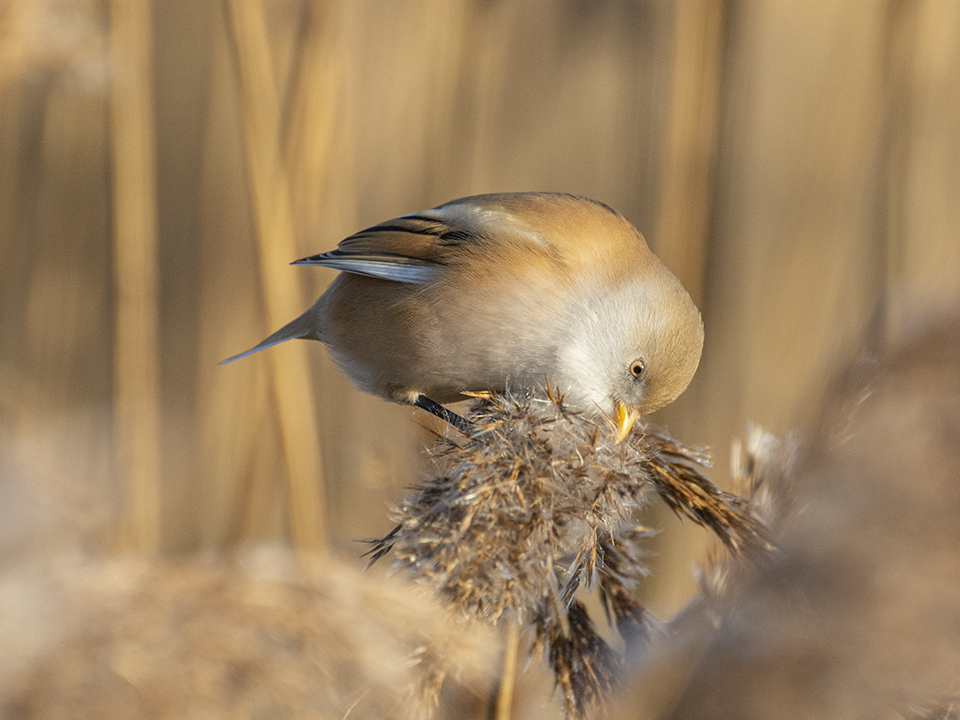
[(637, 367)]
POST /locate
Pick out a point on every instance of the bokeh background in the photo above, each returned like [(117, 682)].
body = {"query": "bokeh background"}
[(797, 165)]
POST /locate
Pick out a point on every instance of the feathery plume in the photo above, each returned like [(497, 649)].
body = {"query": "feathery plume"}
[(536, 506)]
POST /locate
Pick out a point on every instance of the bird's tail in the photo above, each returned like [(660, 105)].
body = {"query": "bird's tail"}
[(302, 327)]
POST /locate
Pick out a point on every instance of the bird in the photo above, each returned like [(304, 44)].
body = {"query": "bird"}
[(498, 293)]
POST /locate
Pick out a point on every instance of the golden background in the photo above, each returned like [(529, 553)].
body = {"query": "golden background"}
[(797, 165)]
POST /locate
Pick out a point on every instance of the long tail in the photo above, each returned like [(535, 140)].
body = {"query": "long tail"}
[(302, 327)]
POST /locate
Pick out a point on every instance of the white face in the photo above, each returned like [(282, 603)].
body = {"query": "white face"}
[(638, 344)]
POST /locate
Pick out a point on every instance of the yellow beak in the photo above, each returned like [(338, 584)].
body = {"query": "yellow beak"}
[(623, 420)]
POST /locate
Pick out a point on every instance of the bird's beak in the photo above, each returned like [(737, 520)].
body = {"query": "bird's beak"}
[(623, 420)]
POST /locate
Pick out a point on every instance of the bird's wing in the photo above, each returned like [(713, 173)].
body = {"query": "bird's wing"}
[(414, 248)]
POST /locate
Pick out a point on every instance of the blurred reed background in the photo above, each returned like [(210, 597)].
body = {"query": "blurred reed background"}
[(796, 164)]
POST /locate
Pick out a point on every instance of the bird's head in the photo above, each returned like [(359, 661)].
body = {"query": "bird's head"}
[(633, 347)]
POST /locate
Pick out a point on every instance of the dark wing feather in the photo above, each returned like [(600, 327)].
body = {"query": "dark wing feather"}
[(409, 249), (414, 248)]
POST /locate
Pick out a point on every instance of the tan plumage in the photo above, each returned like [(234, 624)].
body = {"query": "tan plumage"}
[(499, 292)]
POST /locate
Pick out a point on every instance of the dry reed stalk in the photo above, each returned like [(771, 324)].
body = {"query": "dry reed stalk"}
[(899, 80), (687, 187), (270, 191), (136, 382), (503, 704), (490, 69), (314, 106)]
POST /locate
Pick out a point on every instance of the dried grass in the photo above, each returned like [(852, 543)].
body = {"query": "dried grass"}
[(856, 614), (535, 507), (848, 607), (250, 637)]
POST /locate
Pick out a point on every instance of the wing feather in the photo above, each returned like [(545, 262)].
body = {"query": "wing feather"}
[(410, 249), (385, 267), (415, 248)]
